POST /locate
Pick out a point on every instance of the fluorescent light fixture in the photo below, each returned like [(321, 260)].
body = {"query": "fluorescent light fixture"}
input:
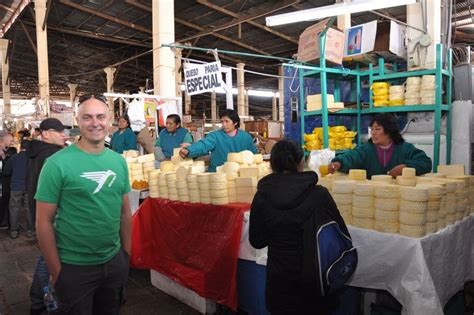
[(334, 10)]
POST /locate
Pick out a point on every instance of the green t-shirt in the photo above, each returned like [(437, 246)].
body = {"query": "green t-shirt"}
[(87, 189)]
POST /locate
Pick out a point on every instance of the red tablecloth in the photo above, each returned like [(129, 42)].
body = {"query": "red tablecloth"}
[(196, 245)]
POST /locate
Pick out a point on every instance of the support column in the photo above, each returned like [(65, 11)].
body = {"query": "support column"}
[(142, 89), (247, 104), (187, 103), (42, 47), (274, 108), (178, 77), (240, 89), (72, 96), (163, 58), (343, 21), (281, 92), (213, 110), (5, 71), (120, 107), (110, 88)]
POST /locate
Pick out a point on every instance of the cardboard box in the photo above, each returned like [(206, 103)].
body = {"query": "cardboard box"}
[(315, 102), (391, 40), (308, 44)]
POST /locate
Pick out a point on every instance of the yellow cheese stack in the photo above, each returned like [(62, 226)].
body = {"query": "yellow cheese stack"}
[(387, 201), (246, 187), (363, 205), (171, 179), (387, 179), (342, 195), (451, 199), (463, 196), (412, 91), (232, 189), (413, 211), (428, 89), (434, 212), (355, 174), (193, 188), (218, 188), (148, 166), (339, 139), (407, 178), (204, 187), (153, 183), (163, 184), (135, 172)]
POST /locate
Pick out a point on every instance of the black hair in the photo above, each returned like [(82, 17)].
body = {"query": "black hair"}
[(175, 117), (232, 114), (286, 155), (24, 144), (390, 126), (127, 119)]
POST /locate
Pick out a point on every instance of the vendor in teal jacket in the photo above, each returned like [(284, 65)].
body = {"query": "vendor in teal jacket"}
[(386, 152), (123, 139), (174, 136), (221, 142)]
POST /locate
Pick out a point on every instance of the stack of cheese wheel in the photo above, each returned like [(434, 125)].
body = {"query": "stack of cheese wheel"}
[(342, 194), (442, 203), (408, 177), (153, 183), (193, 188), (218, 188), (167, 166), (356, 174), (463, 195), (396, 96), (196, 167), (434, 206), (232, 189), (428, 89), (326, 182), (412, 91), (387, 179), (413, 211), (136, 172), (246, 187), (451, 200), (460, 200), (387, 202), (163, 184), (424, 180), (148, 166), (182, 183), (204, 187), (363, 205), (172, 186), (380, 93)]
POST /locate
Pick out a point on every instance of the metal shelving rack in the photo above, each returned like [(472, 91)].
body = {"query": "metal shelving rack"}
[(379, 74)]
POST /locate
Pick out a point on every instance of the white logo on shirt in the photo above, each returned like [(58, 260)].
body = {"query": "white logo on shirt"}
[(101, 178)]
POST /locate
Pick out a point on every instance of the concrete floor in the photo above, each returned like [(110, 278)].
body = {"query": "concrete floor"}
[(17, 262)]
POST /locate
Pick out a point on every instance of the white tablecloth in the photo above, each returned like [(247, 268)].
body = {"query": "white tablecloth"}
[(422, 274)]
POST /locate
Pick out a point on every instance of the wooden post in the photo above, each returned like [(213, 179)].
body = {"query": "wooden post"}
[(241, 89), (110, 88), (42, 48), (5, 70), (213, 110), (274, 108), (72, 96), (281, 92)]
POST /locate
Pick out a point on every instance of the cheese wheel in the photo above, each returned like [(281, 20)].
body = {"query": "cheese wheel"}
[(232, 199), (363, 201), (154, 174), (386, 227), (146, 158), (326, 182), (234, 157), (342, 199), (407, 217), (408, 172), (204, 193), (441, 223), (387, 191), (172, 184), (356, 174), (451, 198), (258, 158), (136, 166), (182, 173), (203, 177), (365, 213), (231, 166), (191, 178), (364, 189), (218, 178), (432, 216), (194, 200), (204, 186), (193, 185), (205, 200), (414, 231), (183, 198), (450, 219), (171, 177), (220, 201), (347, 209), (363, 223), (231, 183), (402, 181), (347, 218), (166, 166), (149, 164), (136, 172), (414, 193), (382, 178), (413, 206), (154, 195), (219, 193), (423, 180), (246, 182), (387, 204), (431, 227), (181, 184), (247, 157), (172, 191), (386, 216), (343, 186)]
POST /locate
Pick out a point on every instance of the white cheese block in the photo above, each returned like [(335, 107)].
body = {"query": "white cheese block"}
[(356, 174), (166, 166), (364, 189), (146, 158), (196, 169), (247, 157), (408, 172), (249, 172), (231, 166), (246, 182), (452, 170), (258, 158), (382, 178), (246, 190)]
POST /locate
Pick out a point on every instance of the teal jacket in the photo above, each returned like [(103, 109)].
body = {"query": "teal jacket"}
[(365, 157), (169, 141), (123, 142), (219, 144)]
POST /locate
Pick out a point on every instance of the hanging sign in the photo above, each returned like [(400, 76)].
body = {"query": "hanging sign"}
[(202, 78)]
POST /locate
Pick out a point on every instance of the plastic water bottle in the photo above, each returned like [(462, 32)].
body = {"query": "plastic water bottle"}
[(50, 300)]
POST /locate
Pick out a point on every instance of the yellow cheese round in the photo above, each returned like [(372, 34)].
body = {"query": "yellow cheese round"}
[(402, 181), (218, 178), (432, 216), (365, 213), (431, 227), (414, 231), (172, 191), (204, 186), (363, 223), (258, 158), (412, 218), (408, 172), (218, 186), (206, 200), (182, 173), (342, 199), (363, 201), (247, 157), (219, 193), (203, 177), (192, 178), (413, 206), (204, 193), (386, 216), (387, 191), (382, 178), (387, 204), (414, 193), (172, 184), (181, 184), (166, 166), (356, 174), (386, 227), (364, 189), (193, 185)]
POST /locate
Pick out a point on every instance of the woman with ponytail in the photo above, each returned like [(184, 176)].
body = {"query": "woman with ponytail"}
[(284, 201)]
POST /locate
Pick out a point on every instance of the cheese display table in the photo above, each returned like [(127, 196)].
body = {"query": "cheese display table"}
[(194, 245), (422, 274)]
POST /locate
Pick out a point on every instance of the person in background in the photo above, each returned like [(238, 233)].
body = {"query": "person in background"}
[(84, 218), (284, 201), (36, 134), (6, 151), (221, 142), (174, 136), (16, 167), (123, 139), (53, 139), (386, 152)]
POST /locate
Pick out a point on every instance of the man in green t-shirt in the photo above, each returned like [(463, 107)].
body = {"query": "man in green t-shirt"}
[(84, 219)]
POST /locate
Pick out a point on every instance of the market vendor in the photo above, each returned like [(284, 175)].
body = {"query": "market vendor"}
[(386, 152), (221, 142), (123, 139), (174, 136)]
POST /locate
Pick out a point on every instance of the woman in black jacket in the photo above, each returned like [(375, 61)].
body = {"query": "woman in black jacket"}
[(284, 201)]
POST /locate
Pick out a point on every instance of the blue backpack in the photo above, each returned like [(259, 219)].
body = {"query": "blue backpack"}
[(329, 259)]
